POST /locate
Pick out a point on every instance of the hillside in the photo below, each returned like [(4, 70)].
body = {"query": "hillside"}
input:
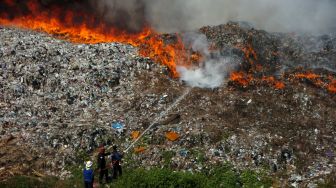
[(60, 100)]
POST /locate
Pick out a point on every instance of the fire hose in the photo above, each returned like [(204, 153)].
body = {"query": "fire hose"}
[(162, 114)]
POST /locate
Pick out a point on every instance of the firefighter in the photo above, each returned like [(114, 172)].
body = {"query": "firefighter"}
[(101, 162), (88, 175), (116, 160)]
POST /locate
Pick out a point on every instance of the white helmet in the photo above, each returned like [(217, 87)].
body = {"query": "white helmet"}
[(88, 164)]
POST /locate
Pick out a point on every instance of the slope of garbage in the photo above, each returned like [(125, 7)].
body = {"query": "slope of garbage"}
[(59, 101)]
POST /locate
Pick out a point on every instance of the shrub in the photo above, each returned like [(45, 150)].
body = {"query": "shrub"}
[(160, 178), (27, 182), (251, 180)]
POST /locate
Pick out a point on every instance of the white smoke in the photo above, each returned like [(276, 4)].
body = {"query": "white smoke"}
[(211, 75), (311, 16), (307, 16), (212, 71)]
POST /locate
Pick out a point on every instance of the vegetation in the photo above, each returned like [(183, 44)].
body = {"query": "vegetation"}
[(167, 156), (224, 176)]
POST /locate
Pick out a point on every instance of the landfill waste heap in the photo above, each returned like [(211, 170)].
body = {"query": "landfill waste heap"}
[(59, 98), (275, 111)]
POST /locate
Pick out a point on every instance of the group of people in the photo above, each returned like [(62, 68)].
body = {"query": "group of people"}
[(103, 167)]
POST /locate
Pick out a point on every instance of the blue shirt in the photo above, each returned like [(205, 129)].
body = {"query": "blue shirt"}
[(88, 175)]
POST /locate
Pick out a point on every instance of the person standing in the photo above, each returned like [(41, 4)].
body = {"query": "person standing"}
[(116, 159), (101, 162), (88, 175)]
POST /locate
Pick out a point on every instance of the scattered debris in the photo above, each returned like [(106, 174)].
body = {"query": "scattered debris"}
[(59, 98)]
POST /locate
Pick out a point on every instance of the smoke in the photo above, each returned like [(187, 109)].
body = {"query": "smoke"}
[(126, 14), (213, 69), (303, 16), (211, 75), (309, 16)]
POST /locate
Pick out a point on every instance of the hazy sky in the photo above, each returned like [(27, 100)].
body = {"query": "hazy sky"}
[(272, 15)]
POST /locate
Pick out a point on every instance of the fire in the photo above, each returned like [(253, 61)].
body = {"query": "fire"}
[(241, 78), (314, 78), (196, 57), (250, 54), (308, 75), (273, 82), (279, 85), (81, 26), (244, 79), (91, 30), (332, 87)]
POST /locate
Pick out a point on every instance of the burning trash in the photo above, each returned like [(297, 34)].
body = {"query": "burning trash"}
[(228, 93)]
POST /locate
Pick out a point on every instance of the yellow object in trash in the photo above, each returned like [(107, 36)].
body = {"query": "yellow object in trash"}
[(135, 135), (139, 149), (172, 136)]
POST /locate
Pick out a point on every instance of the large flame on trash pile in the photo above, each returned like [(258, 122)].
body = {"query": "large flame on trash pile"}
[(81, 27), (70, 20)]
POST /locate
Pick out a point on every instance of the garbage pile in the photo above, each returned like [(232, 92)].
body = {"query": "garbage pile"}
[(59, 101), (59, 98)]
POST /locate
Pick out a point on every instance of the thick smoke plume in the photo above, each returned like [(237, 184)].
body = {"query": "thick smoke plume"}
[(303, 16), (272, 15), (129, 14), (310, 16)]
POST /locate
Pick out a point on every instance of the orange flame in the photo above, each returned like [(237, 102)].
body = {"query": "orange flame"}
[(279, 85), (249, 52), (308, 75), (150, 43), (273, 82), (196, 57), (332, 87), (241, 78)]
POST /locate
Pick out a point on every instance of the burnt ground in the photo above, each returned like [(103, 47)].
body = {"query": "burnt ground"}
[(59, 99)]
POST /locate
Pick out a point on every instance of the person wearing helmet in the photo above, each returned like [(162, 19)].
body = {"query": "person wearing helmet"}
[(88, 175)]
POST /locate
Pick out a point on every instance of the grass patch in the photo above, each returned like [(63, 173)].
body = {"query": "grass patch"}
[(224, 176), (26, 182), (167, 156), (159, 178)]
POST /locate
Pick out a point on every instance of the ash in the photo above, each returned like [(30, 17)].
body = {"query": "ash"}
[(59, 100)]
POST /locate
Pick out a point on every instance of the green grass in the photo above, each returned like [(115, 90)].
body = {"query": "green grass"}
[(224, 176), (167, 156), (25, 182)]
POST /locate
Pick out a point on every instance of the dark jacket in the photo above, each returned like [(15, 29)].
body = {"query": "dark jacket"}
[(101, 160), (116, 157), (88, 175)]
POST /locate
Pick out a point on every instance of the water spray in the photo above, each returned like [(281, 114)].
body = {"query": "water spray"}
[(162, 114)]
